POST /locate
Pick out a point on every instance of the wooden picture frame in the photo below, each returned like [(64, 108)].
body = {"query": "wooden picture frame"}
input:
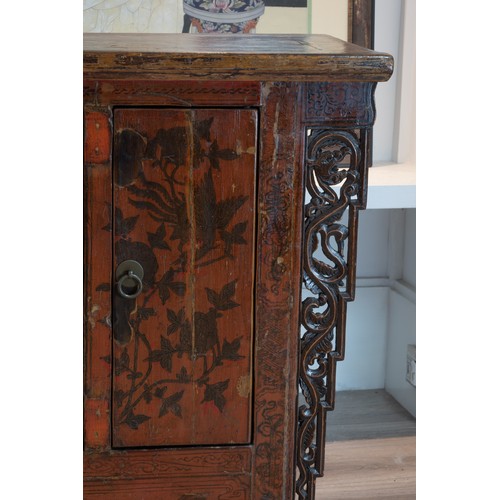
[(361, 22), (286, 3), (360, 19)]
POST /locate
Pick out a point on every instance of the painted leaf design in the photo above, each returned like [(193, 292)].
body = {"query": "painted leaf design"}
[(236, 234), (154, 192), (167, 284), (122, 363), (163, 355), (213, 296), (164, 207), (212, 215), (160, 391), (226, 210), (176, 320), (222, 301), (119, 397), (183, 376), (171, 404), (178, 287), (228, 291), (133, 421), (156, 240), (215, 154), (147, 394), (227, 154), (230, 350), (123, 226), (212, 156), (215, 393), (155, 212)]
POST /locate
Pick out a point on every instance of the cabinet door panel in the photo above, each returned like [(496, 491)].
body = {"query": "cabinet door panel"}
[(184, 209)]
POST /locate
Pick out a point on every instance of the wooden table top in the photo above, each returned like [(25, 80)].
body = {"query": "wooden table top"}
[(232, 57)]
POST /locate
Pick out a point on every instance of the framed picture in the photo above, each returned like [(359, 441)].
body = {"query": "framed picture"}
[(360, 18), (167, 16)]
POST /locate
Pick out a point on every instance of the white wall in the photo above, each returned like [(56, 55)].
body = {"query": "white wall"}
[(381, 320), (400, 333), (387, 38), (329, 17), (364, 365), (386, 270), (284, 20)]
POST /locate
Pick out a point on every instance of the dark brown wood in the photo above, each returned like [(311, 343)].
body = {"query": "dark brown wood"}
[(361, 22), (278, 286), (158, 463), (335, 166), (171, 93), (199, 174), (226, 57)]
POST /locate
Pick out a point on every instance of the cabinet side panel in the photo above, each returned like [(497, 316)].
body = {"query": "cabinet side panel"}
[(278, 291), (97, 278)]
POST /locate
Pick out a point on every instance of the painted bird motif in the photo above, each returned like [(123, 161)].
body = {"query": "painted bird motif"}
[(211, 215), (171, 145)]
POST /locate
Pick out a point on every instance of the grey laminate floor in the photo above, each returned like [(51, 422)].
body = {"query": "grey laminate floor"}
[(369, 414)]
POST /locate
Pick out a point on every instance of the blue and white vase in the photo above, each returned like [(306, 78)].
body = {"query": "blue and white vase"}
[(223, 16)]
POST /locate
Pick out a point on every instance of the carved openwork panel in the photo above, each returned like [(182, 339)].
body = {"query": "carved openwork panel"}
[(335, 168)]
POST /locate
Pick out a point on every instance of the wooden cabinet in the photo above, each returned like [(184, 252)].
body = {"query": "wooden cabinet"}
[(223, 175)]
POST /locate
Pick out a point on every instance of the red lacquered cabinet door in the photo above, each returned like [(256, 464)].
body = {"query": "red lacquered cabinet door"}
[(183, 224), (192, 282)]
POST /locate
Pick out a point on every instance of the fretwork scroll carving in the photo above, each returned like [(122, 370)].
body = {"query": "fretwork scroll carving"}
[(334, 180)]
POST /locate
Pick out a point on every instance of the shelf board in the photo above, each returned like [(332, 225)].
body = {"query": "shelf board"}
[(392, 185)]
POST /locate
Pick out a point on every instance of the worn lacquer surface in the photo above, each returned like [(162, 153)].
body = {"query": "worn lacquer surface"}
[(97, 277), (184, 208), (226, 57), (278, 289)]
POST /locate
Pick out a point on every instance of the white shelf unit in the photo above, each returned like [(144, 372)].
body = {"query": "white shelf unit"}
[(392, 185), (381, 321)]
